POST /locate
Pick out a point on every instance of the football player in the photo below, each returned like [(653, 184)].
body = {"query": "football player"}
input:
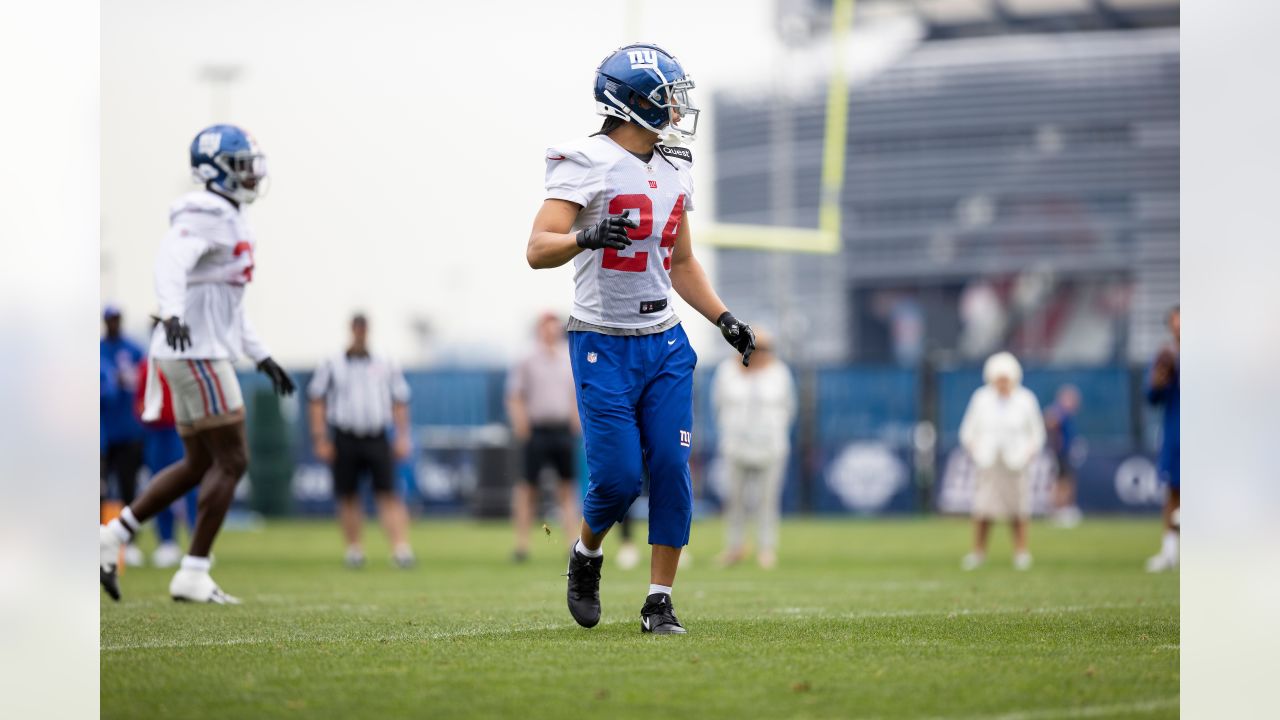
[(204, 263), (616, 205)]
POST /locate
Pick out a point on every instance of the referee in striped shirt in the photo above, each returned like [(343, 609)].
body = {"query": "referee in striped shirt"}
[(355, 396)]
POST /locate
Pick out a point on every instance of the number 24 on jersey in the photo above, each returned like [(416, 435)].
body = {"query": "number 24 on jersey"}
[(639, 262)]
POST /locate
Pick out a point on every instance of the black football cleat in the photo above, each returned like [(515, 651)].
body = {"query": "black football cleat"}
[(658, 616), (109, 582), (108, 559), (584, 588)]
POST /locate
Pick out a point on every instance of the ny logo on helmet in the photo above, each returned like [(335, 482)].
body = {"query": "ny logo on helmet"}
[(642, 58), (210, 142)]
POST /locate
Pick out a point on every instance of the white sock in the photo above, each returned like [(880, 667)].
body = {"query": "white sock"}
[(130, 520), (664, 589), (199, 564), (117, 528), (403, 551), (581, 549), (1169, 548)]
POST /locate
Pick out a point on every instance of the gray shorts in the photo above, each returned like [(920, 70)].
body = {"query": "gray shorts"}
[(205, 393)]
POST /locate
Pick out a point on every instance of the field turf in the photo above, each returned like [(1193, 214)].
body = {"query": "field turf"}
[(861, 619)]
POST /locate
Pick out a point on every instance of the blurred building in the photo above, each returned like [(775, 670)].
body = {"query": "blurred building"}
[(1011, 182)]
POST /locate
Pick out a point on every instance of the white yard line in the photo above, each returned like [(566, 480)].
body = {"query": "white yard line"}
[(513, 629), (1087, 711)]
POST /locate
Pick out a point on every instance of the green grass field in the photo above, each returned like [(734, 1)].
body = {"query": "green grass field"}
[(861, 619)]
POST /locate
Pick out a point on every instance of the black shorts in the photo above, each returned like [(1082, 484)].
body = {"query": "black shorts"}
[(353, 455), (123, 460), (550, 446)]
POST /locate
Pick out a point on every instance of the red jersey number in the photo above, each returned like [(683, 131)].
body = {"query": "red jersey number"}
[(243, 248), (639, 262)]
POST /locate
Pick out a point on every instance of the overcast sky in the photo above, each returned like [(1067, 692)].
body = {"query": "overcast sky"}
[(406, 148)]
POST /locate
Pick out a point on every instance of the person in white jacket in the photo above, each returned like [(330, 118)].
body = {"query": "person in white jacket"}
[(754, 408), (1003, 432)]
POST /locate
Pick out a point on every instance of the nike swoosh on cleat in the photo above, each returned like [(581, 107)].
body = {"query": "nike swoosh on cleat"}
[(645, 622)]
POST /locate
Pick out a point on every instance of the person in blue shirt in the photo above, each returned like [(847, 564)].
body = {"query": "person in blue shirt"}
[(1060, 427), (1163, 390), (122, 432)]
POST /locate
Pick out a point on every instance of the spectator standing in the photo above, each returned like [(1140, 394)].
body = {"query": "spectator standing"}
[(355, 397), (1003, 432), (120, 361), (542, 407), (754, 408), (1060, 426), (1164, 390)]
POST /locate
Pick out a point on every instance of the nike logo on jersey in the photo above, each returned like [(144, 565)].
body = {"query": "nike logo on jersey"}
[(672, 341)]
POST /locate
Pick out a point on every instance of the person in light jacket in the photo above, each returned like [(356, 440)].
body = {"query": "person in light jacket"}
[(1003, 432), (754, 409)]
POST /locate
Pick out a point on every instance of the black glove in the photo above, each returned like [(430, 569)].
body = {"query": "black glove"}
[(739, 335), (280, 379), (610, 232), (176, 334)]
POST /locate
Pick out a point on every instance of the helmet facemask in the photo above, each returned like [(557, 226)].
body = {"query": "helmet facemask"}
[(244, 175), (674, 98), (671, 114)]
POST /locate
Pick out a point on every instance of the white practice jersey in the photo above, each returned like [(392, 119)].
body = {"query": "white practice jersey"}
[(624, 289), (205, 260)]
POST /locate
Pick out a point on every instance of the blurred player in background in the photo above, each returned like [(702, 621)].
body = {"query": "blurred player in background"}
[(754, 408), (541, 404), (162, 447), (357, 396), (1164, 390), (1060, 426), (616, 205), (204, 263), (1003, 432), (122, 454)]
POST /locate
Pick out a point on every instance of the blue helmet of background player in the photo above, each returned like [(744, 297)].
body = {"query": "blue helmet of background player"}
[(644, 84), (228, 161)]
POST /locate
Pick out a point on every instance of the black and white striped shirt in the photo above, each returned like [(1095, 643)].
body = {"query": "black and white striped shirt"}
[(358, 391)]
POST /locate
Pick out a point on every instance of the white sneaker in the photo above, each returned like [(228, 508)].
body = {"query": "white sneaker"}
[(167, 555), (1068, 517), (404, 559), (972, 561), (1022, 561), (354, 558), (1161, 563), (198, 586), (133, 556), (628, 556), (108, 559)]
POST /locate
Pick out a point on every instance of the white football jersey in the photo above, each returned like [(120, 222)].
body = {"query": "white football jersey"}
[(630, 288), (204, 262)]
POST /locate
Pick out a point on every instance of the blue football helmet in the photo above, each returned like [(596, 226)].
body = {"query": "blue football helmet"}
[(227, 160), (644, 84)]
